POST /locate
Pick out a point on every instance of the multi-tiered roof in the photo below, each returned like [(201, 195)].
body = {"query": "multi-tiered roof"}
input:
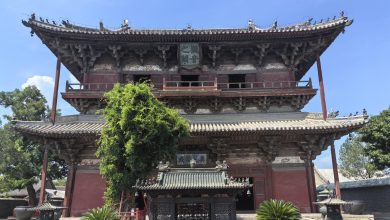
[(244, 87), (274, 60)]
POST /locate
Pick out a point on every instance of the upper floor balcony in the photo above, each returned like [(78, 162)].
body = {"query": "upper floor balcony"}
[(191, 88), (266, 92)]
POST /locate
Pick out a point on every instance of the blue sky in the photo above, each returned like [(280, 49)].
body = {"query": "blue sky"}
[(355, 67)]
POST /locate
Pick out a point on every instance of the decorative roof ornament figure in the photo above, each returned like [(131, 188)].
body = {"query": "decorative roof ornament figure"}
[(342, 14), (125, 24), (308, 22), (251, 25), (101, 26), (192, 163), (275, 25), (221, 166), (163, 167)]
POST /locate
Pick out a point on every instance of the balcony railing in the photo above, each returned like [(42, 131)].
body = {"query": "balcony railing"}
[(88, 86), (189, 85), (198, 86), (265, 85)]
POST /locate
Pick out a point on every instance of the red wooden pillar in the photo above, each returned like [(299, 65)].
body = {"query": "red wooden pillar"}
[(325, 116), (53, 118), (43, 175), (55, 93), (268, 181), (335, 172), (311, 185), (322, 89), (69, 190)]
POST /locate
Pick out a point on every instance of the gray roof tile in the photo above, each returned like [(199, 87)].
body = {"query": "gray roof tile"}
[(267, 123), (191, 178)]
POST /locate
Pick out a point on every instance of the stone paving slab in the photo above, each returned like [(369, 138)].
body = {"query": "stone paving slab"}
[(311, 216)]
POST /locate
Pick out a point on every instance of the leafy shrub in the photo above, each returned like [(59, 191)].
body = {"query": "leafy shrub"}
[(277, 210), (104, 213)]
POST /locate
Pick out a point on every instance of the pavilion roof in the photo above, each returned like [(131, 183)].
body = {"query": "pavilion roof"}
[(192, 179), (66, 39), (207, 124), (252, 32)]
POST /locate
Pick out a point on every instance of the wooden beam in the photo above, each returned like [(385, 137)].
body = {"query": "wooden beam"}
[(322, 89), (268, 181), (335, 172), (55, 93), (43, 175), (311, 185), (69, 190)]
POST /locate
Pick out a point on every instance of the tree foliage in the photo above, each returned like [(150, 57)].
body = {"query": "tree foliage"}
[(21, 158), (277, 210), (377, 134), (354, 163), (139, 131)]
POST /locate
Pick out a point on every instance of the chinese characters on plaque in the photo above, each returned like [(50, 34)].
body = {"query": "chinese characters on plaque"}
[(185, 158), (189, 54)]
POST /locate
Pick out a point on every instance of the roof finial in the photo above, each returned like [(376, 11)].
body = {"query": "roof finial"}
[(275, 24), (32, 17), (101, 25), (251, 24), (125, 23)]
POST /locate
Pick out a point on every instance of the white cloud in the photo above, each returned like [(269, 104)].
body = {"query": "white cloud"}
[(43, 83)]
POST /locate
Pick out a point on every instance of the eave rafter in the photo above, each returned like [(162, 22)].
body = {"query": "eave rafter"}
[(303, 42)]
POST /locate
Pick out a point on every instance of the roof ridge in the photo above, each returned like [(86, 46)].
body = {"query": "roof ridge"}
[(251, 28)]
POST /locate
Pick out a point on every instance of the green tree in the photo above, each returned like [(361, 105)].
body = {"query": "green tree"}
[(21, 158), (139, 132), (354, 163), (377, 134)]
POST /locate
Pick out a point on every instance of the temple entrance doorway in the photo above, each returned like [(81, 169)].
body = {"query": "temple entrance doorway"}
[(198, 210), (245, 200)]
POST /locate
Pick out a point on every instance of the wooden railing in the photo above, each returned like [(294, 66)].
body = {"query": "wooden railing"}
[(265, 85), (197, 85), (135, 215), (88, 86)]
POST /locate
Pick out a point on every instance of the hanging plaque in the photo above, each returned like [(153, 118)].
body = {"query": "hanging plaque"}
[(189, 54)]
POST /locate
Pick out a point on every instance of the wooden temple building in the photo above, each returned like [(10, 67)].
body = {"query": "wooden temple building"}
[(241, 89)]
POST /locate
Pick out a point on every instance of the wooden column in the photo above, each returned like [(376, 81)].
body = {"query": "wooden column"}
[(268, 181), (322, 89), (335, 171), (69, 190), (43, 175), (311, 184), (55, 93)]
